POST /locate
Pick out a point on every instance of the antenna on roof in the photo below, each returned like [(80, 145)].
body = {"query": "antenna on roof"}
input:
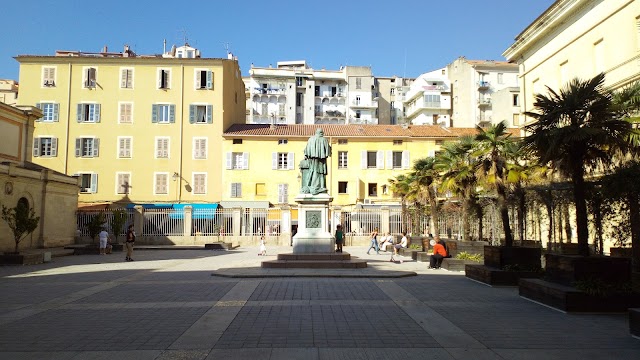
[(184, 36)]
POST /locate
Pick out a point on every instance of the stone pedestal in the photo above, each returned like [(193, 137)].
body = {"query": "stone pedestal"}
[(313, 234)]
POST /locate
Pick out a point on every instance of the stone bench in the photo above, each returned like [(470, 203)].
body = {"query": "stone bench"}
[(452, 264)]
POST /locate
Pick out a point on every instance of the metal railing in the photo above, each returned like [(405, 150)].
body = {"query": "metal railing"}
[(212, 222), (83, 218), (163, 222)]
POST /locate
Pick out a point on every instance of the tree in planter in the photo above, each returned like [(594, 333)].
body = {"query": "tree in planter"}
[(96, 225), (576, 131), (118, 222), (22, 221)]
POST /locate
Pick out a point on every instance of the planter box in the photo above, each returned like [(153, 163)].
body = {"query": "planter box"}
[(621, 252), (570, 299), (527, 258), (456, 264), (497, 277), (634, 322), (408, 252), (422, 256), (21, 259), (567, 269)]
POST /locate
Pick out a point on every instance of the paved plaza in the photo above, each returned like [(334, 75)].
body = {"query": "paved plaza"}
[(197, 304)]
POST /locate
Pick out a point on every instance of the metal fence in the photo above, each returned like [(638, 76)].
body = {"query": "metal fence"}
[(212, 222), (261, 222), (163, 222)]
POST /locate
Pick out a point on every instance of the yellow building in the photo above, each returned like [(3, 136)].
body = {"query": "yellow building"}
[(134, 128), (578, 38), (52, 196), (261, 161)]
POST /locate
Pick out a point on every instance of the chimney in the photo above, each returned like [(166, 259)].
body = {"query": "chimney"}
[(164, 46), (125, 53), (105, 49)]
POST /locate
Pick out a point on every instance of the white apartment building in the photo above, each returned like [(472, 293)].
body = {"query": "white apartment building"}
[(428, 100), (578, 38), (484, 92), (8, 91), (294, 93), (392, 91)]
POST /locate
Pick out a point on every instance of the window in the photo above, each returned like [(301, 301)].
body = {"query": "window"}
[(126, 78), (124, 147), (88, 113), (281, 110), (358, 83), (432, 100), (385, 190), (500, 78), (163, 113), (298, 81), (282, 161), (397, 142), (87, 147), (125, 111), (199, 183), (283, 193), (123, 183), (516, 119), (49, 111), (358, 100), (342, 160), (45, 147), (200, 114), (88, 183), (237, 161), (204, 80), (342, 187), (48, 76), (299, 98), (516, 100), (317, 91), (164, 79), (237, 141), (358, 114), (260, 189), (282, 141), (371, 159), (393, 91), (162, 148), (89, 78), (372, 189), (236, 190), (343, 141), (392, 105), (397, 159), (161, 183), (200, 148)]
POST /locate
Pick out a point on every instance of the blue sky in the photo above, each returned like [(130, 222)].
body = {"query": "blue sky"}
[(400, 37)]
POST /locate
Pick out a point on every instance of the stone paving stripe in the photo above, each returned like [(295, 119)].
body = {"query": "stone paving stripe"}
[(295, 354), (183, 355), (60, 355), (205, 332), (442, 330), (239, 354), (120, 355), (569, 354), (475, 354)]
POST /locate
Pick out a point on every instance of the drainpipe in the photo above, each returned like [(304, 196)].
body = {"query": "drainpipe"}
[(66, 153), (44, 177), (181, 132)]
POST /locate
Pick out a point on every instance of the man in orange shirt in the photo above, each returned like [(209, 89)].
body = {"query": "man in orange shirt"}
[(439, 253)]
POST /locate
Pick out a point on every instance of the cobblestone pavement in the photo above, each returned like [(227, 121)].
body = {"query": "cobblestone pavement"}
[(167, 305)]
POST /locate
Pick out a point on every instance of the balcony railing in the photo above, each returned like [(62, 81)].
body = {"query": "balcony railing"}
[(267, 91), (483, 84), (372, 104), (484, 102), (329, 113)]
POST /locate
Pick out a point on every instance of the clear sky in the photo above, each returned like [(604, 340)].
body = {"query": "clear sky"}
[(397, 37)]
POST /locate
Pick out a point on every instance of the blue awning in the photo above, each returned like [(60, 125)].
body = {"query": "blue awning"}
[(179, 213)]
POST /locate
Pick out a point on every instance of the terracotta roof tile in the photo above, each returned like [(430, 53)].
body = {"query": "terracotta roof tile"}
[(365, 131)]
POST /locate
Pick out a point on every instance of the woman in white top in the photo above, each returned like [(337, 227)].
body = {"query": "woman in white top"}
[(386, 240), (402, 244)]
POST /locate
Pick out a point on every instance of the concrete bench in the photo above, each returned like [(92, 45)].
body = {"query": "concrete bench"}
[(452, 264)]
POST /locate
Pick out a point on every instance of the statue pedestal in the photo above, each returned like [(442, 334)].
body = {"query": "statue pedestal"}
[(313, 234)]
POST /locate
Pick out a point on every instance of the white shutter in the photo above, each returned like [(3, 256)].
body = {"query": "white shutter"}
[(121, 147), (274, 161), (380, 159), (290, 161), (431, 153), (229, 162), (203, 148), (96, 147), (78, 147), (96, 113), (56, 110), (389, 159), (245, 159), (36, 147), (405, 159), (363, 160), (54, 146), (94, 183)]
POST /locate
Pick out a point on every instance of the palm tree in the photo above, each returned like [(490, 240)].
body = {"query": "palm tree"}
[(457, 169), (425, 177), (401, 186), (491, 147), (576, 132)]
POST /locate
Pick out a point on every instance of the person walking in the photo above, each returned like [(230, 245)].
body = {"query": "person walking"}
[(339, 238), (374, 241), (130, 240), (263, 247)]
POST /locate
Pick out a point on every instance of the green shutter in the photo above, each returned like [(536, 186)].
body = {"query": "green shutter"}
[(80, 114), (172, 113), (56, 109), (78, 147), (96, 147), (209, 114), (154, 113), (36, 147), (192, 114), (39, 106), (209, 80), (54, 146), (96, 113)]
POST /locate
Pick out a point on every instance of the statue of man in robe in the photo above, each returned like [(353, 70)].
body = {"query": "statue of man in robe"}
[(316, 153)]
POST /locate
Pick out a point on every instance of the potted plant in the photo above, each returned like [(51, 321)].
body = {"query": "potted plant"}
[(22, 221), (118, 222)]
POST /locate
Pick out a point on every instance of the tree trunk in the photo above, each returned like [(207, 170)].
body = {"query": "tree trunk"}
[(567, 222), (433, 204), (548, 201), (634, 218), (581, 210), (504, 215), (521, 212), (480, 216)]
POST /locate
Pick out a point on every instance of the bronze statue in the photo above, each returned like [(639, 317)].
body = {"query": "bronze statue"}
[(314, 165)]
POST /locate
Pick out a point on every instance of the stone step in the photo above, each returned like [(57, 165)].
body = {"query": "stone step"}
[(423, 256), (315, 256), (456, 264), (315, 264), (218, 246)]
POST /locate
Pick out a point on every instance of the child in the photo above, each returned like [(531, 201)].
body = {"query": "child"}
[(339, 238), (263, 247)]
